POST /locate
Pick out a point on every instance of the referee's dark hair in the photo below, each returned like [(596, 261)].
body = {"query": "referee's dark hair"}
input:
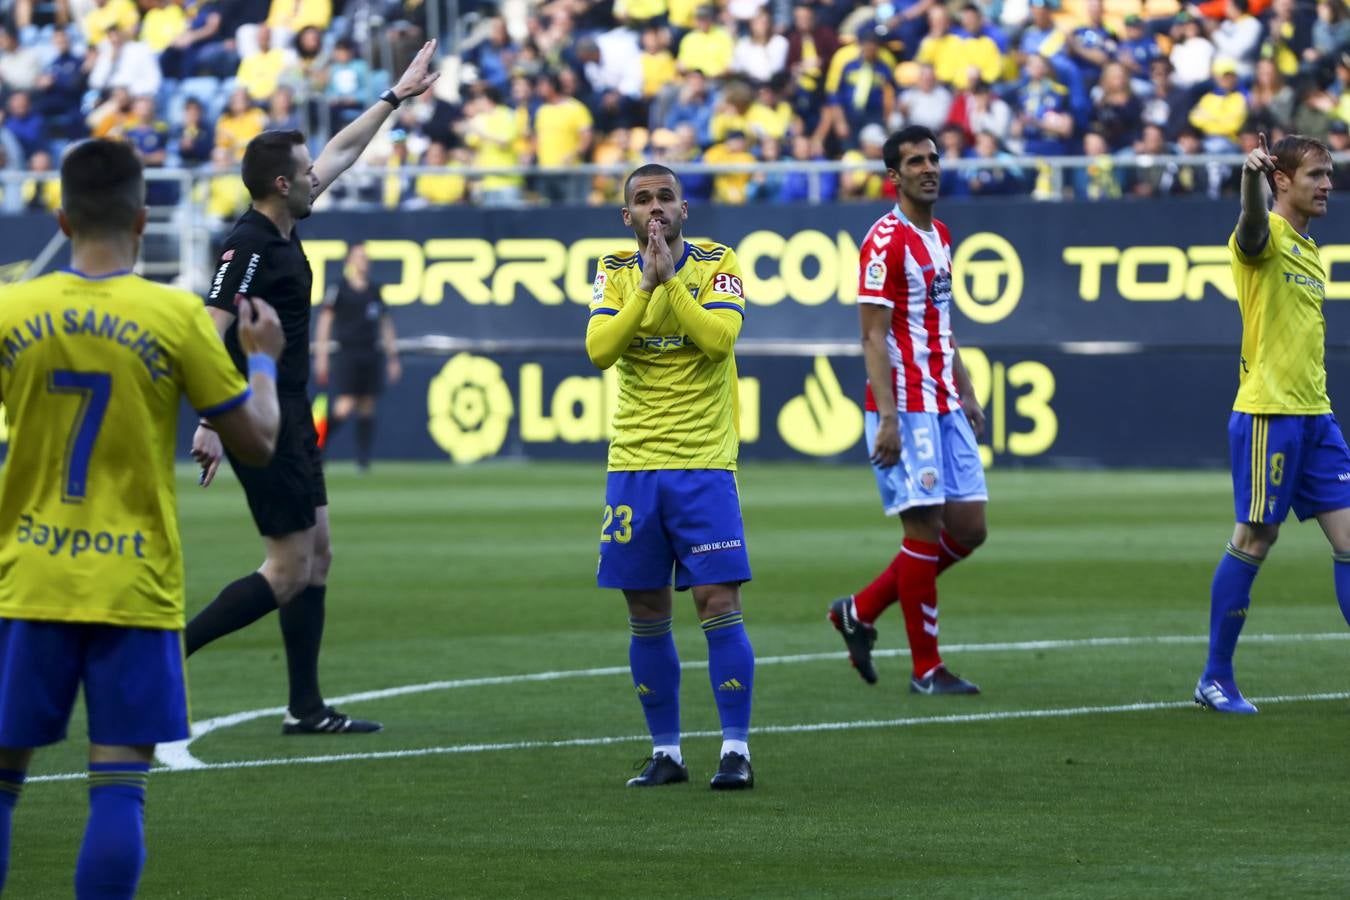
[(102, 187), (910, 134), (642, 172), (267, 156)]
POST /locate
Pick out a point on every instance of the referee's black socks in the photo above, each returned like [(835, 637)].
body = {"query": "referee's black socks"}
[(302, 632), (239, 604)]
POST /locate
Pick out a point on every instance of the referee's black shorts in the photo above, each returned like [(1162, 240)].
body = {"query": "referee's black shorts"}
[(358, 374), (284, 494)]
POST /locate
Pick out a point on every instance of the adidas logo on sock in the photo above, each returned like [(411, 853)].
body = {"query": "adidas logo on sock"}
[(644, 691), (731, 684)]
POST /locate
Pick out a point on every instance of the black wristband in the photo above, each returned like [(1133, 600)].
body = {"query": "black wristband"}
[(207, 425), (391, 98)]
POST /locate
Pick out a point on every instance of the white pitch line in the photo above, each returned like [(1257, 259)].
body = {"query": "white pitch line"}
[(805, 728), (178, 755)]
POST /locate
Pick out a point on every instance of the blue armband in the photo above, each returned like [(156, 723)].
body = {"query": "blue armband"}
[(261, 363)]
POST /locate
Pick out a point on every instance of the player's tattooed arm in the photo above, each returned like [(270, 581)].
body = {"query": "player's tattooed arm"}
[(1253, 225)]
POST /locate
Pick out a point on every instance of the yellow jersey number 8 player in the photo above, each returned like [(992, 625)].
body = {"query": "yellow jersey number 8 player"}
[(1286, 447), (667, 317), (93, 361)]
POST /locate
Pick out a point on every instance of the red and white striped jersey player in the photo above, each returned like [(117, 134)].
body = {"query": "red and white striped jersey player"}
[(922, 417)]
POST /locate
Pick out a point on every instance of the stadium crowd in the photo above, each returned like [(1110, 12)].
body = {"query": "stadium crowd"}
[(553, 83)]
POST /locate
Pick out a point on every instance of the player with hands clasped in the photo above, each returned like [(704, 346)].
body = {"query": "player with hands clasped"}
[(667, 318), (1286, 447), (922, 417)]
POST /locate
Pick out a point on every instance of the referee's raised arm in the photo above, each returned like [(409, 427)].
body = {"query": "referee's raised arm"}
[(347, 145)]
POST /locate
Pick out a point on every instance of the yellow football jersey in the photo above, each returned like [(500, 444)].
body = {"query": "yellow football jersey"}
[(91, 371), (1280, 292), (677, 407)]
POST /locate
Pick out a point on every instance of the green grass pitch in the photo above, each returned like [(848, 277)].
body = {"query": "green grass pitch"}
[(1041, 787)]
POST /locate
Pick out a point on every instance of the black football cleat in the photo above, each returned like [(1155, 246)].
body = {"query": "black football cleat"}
[(659, 769), (733, 774), (328, 721), (941, 681), (859, 637)]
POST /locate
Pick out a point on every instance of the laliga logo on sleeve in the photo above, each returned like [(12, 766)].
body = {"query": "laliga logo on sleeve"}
[(468, 408)]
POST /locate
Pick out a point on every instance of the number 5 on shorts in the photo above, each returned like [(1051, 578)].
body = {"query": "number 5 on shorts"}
[(622, 516), (923, 443)]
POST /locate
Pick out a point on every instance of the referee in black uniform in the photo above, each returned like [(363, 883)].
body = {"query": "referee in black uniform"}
[(263, 256), (357, 318)]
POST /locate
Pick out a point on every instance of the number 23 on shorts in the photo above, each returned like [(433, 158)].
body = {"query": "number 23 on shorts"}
[(616, 524)]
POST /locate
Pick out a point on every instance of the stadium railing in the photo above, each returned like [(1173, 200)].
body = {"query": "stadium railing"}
[(179, 235)]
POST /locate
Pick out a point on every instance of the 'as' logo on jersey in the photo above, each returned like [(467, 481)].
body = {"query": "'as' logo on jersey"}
[(727, 284)]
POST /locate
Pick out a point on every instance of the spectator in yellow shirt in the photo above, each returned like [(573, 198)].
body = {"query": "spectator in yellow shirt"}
[(1220, 113), (562, 138), (732, 111), (441, 188), (941, 49), (658, 65), (226, 196), (240, 123), (260, 72), (770, 116), (120, 14), (978, 51), (708, 48), (731, 187), (164, 21), (490, 132), (287, 17), (39, 195)]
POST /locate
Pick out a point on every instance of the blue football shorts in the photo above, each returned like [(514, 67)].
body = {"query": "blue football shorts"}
[(135, 690), (685, 519), (1287, 462), (939, 461)]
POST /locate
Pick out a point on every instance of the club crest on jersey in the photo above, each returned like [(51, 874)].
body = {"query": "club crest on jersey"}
[(927, 478), (874, 279), (598, 291), (941, 292)]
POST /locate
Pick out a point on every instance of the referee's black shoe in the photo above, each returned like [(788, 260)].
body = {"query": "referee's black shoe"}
[(658, 770), (328, 720), (733, 774)]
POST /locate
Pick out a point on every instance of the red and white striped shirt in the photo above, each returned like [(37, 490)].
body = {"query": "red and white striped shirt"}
[(910, 271)]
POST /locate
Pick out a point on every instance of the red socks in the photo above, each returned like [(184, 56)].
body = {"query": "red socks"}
[(911, 578), (871, 601), (949, 552), (917, 571)]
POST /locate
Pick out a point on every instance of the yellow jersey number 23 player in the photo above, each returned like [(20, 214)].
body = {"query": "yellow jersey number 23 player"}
[(93, 361), (667, 317), (1286, 447)]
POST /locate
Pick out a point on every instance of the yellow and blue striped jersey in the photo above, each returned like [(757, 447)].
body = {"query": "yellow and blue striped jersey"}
[(1280, 292), (677, 407), (91, 371)]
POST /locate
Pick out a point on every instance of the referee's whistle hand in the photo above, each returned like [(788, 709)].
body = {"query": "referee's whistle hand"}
[(260, 327)]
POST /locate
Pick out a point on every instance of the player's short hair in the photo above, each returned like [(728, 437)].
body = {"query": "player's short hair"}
[(102, 187), (1294, 150), (642, 172), (910, 134), (267, 156)]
